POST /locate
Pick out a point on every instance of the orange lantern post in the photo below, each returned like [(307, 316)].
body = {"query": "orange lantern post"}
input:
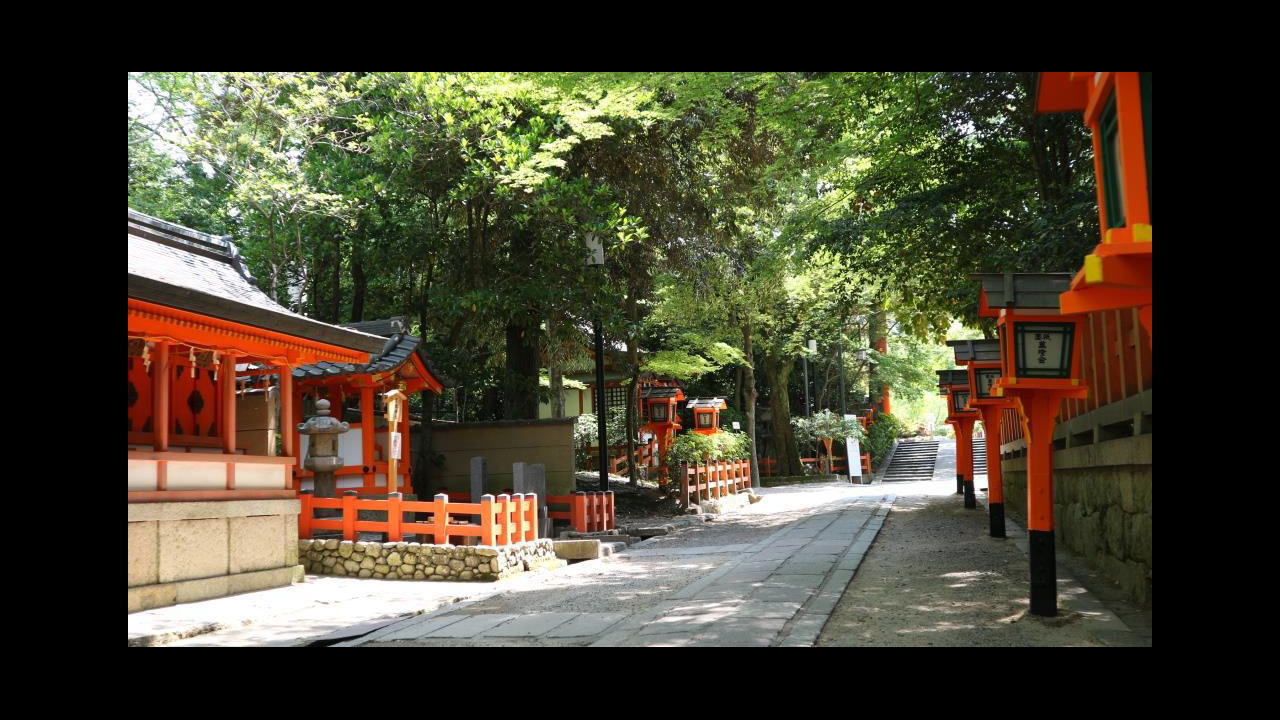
[(1117, 109), (664, 421), (1040, 366), (955, 385), (982, 357)]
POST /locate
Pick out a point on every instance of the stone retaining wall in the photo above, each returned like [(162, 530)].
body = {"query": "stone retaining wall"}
[(1101, 508), (416, 561)]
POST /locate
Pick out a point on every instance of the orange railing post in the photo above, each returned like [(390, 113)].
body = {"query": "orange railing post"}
[(531, 501), (349, 515), (578, 511), (441, 511), (517, 501), (504, 511), (488, 532), (611, 520), (304, 517), (394, 516), (684, 484)]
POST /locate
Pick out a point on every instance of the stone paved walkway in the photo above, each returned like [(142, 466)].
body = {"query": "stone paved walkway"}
[(777, 592)]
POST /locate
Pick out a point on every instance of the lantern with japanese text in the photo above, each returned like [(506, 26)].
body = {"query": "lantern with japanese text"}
[(1040, 367)]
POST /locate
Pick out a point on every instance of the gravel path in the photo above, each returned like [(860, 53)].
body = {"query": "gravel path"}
[(935, 577)]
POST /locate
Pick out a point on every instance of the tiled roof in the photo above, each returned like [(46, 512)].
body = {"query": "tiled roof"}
[(660, 392), (179, 267), (395, 352)]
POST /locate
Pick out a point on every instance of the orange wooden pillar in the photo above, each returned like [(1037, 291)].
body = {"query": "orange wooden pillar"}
[(287, 428), (964, 460), (991, 421), (228, 395), (368, 462), (161, 382)]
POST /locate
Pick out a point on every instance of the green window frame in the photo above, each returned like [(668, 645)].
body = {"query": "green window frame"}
[(658, 411), (705, 419), (1112, 184)]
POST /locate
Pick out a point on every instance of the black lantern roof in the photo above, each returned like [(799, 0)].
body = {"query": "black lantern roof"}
[(953, 377), (712, 403), (658, 393), (975, 350), (1023, 290)]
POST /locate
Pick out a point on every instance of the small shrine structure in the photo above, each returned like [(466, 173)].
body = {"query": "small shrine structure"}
[(400, 364), (206, 518)]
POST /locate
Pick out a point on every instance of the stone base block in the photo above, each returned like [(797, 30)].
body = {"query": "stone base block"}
[(578, 549), (148, 597)]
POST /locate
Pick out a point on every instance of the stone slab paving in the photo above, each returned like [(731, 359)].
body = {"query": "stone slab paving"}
[(779, 591), (747, 603)]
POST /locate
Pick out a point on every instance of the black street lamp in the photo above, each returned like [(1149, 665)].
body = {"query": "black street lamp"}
[(596, 259)]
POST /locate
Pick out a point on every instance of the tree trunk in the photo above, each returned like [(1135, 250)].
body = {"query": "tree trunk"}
[(553, 368), (520, 389), (778, 373), (335, 306), (749, 399), (520, 382), (359, 283)]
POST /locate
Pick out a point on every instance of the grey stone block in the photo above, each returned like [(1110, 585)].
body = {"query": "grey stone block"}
[(586, 625), (530, 625), (782, 594), (418, 627), (471, 626)]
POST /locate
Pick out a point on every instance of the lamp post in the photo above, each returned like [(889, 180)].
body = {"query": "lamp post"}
[(955, 385), (1040, 366), (596, 259), (982, 357)]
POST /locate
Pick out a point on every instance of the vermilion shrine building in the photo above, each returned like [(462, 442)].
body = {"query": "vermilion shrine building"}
[(206, 518)]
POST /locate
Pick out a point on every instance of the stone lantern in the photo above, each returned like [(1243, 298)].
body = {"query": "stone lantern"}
[(322, 451)]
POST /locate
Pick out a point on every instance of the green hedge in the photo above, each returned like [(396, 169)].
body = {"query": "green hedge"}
[(881, 435)]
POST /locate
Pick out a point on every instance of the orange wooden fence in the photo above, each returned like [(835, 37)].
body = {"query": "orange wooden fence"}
[(713, 480), (504, 520), (587, 511)]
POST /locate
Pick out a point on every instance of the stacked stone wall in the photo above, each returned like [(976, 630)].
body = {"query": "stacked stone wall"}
[(416, 561), (1101, 508)]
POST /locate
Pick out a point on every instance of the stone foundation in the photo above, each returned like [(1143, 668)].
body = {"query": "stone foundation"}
[(188, 551), (416, 561)]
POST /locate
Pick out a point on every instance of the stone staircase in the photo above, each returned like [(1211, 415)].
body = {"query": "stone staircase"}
[(979, 456), (913, 460)]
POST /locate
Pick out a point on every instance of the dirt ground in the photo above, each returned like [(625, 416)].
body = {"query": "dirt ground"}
[(934, 577)]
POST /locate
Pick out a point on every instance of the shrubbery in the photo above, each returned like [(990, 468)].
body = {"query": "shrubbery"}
[(694, 447), (880, 437)]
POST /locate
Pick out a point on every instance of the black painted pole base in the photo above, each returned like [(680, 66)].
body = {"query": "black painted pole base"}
[(997, 519), (970, 499), (959, 484), (1044, 575)]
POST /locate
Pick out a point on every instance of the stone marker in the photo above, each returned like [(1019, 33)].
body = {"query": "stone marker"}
[(532, 478), (479, 476)]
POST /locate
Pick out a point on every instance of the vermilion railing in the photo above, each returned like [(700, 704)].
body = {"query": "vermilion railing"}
[(503, 520), (712, 480), (587, 511)]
